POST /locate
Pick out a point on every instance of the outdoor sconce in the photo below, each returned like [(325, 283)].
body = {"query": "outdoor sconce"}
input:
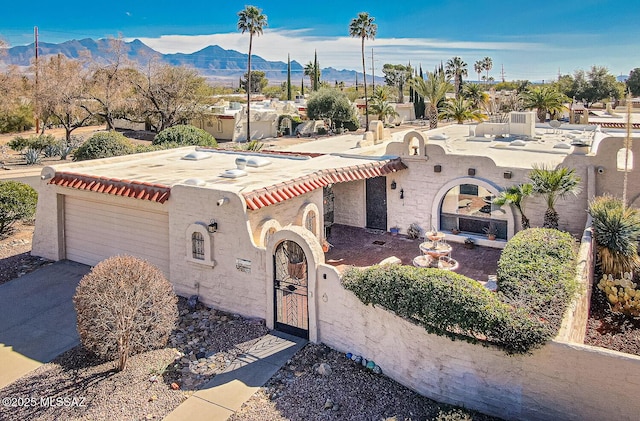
[(212, 227), (401, 193), (437, 168), (507, 174), (471, 171), (393, 185)]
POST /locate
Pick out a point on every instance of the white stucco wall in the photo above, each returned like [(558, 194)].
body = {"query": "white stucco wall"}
[(349, 203)]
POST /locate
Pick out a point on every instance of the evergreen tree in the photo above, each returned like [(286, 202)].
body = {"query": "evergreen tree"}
[(288, 77)]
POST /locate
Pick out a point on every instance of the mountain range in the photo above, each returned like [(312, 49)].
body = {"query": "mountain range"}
[(213, 62)]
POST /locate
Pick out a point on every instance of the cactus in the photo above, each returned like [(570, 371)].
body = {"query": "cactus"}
[(622, 294)]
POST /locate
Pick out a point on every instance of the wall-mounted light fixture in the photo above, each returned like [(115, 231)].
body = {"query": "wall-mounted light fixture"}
[(507, 174), (437, 168), (471, 171), (213, 226), (393, 185), (401, 193)]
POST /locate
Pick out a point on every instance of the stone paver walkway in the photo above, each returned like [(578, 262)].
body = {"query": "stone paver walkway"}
[(226, 392)]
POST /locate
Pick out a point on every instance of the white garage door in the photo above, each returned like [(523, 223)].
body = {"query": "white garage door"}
[(97, 230)]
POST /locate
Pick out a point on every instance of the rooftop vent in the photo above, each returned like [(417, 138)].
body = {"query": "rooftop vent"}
[(195, 182), (233, 173), (197, 156), (258, 161)]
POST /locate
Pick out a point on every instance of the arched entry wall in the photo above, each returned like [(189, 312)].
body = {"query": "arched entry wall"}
[(314, 255), (486, 184)]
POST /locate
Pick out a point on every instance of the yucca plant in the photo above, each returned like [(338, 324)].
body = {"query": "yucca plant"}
[(616, 230)]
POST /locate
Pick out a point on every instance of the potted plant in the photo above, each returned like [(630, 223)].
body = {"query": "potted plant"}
[(394, 230), (414, 231), (491, 231), (469, 243), (455, 230)]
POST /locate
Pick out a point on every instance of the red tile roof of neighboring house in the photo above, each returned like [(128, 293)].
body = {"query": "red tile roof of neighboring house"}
[(126, 188), (276, 193)]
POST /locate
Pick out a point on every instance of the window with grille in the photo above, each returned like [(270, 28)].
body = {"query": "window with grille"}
[(197, 246), (310, 222)]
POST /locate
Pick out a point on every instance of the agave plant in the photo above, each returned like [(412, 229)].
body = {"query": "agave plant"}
[(616, 230)]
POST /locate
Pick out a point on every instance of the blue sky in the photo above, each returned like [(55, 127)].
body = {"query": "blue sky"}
[(532, 40)]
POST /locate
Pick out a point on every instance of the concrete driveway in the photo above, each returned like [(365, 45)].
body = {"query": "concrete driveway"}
[(37, 318)]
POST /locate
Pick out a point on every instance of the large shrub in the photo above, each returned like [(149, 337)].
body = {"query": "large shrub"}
[(616, 229), (446, 303), (185, 135), (17, 202), (536, 271), (333, 105), (125, 306), (103, 145)]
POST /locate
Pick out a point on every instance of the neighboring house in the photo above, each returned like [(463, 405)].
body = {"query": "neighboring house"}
[(229, 226)]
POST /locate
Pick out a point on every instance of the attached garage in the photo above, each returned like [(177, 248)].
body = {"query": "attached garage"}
[(96, 230)]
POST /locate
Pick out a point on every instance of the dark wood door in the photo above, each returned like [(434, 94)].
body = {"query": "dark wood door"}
[(377, 203), (290, 289)]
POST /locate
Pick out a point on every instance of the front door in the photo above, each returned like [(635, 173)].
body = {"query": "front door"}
[(377, 203), (290, 289)]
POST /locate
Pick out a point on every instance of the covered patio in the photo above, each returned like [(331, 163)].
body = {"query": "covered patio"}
[(360, 247)]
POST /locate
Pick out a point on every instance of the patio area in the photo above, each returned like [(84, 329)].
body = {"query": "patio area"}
[(363, 247)]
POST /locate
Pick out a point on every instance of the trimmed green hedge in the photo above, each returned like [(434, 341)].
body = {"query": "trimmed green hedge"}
[(103, 145), (446, 304), (536, 271), (185, 135)]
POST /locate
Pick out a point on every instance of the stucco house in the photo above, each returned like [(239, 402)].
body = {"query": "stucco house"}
[(222, 224)]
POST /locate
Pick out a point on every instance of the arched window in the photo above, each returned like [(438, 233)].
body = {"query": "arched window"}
[(197, 246), (269, 234), (469, 208), (310, 222)]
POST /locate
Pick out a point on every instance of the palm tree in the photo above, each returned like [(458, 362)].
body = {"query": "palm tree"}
[(250, 20), (455, 69), (460, 109), (478, 66), (433, 90), (474, 93), (487, 64), (310, 70), (515, 195), (553, 183), (380, 105), (363, 27), (544, 99)]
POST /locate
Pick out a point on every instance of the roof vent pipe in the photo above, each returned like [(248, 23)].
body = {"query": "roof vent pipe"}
[(241, 162)]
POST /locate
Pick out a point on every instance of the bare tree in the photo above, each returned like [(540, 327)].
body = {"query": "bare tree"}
[(125, 306)]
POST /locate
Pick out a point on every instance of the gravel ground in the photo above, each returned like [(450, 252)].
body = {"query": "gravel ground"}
[(15, 254)]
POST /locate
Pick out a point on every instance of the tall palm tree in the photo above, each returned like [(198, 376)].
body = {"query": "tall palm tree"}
[(433, 90), (553, 183), (310, 70), (544, 99), (363, 27), (515, 196), (250, 20), (456, 69), (487, 64), (474, 93), (478, 66)]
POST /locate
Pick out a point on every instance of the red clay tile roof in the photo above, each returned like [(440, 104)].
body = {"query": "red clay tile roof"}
[(269, 195), (134, 189)]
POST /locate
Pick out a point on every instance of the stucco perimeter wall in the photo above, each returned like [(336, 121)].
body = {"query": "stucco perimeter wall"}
[(350, 203), (559, 381), (222, 284)]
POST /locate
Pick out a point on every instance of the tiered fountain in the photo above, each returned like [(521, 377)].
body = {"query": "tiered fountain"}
[(436, 253)]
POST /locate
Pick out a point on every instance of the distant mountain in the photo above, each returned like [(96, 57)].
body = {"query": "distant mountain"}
[(213, 62)]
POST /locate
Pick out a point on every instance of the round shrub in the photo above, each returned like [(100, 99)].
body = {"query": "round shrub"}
[(125, 306), (17, 203), (184, 135), (103, 145)]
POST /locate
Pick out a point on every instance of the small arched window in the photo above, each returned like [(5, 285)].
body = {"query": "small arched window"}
[(219, 126), (197, 246), (310, 222)]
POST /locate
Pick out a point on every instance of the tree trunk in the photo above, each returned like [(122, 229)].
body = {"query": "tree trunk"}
[(542, 115), (550, 219), (249, 89), (433, 117), (366, 98), (525, 221)]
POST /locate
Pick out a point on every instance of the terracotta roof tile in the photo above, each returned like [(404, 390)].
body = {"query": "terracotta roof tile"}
[(113, 186), (280, 192)]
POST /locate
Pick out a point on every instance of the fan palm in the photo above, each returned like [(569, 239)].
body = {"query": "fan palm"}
[(487, 64), (363, 27), (515, 195), (460, 109), (544, 99), (250, 20), (382, 109), (433, 90), (553, 184), (311, 71), (474, 93), (478, 66), (456, 69)]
